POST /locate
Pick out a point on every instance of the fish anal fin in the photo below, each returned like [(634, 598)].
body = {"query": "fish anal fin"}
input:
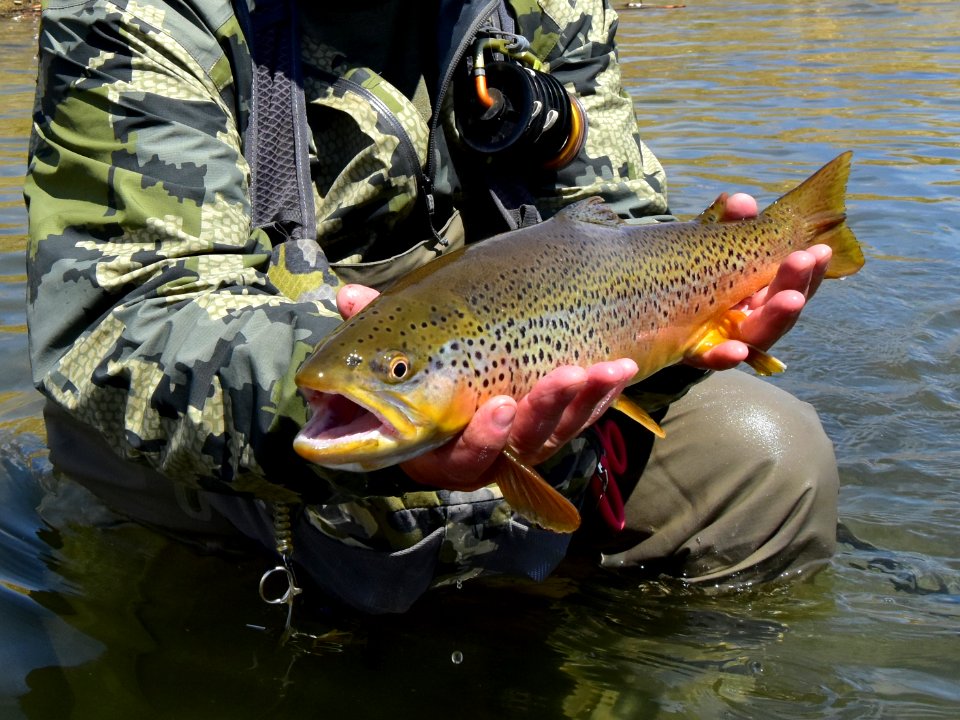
[(532, 496), (592, 210), (764, 363), (636, 413), (727, 327)]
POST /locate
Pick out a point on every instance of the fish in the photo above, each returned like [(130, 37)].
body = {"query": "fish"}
[(408, 372)]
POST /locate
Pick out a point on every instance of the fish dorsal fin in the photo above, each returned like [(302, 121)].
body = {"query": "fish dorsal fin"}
[(532, 496), (633, 411), (592, 210), (716, 212)]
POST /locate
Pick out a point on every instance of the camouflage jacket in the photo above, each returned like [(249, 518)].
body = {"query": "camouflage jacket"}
[(162, 316)]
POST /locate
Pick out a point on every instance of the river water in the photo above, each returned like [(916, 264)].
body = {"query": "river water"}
[(100, 619)]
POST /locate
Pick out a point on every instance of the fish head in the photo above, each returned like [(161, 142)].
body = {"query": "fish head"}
[(377, 399)]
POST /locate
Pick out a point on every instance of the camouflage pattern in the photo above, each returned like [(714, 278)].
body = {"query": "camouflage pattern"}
[(158, 317)]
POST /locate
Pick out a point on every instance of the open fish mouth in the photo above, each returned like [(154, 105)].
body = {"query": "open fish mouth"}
[(341, 431)]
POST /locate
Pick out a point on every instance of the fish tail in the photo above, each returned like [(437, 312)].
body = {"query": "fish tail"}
[(819, 204)]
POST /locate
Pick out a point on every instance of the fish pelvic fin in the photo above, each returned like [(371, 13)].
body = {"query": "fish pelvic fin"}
[(727, 327), (636, 413), (532, 496), (819, 203)]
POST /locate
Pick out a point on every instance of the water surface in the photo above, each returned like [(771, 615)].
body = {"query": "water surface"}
[(101, 619)]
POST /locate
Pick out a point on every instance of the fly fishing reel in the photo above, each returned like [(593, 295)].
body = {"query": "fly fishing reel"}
[(511, 108)]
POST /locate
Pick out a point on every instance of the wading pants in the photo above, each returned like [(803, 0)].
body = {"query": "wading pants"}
[(743, 487)]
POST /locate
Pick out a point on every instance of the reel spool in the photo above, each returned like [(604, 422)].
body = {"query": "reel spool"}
[(520, 113)]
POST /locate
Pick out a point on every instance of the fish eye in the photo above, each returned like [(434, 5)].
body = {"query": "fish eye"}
[(398, 367)]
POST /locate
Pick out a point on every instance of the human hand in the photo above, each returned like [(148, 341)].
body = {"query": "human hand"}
[(772, 311), (557, 409)]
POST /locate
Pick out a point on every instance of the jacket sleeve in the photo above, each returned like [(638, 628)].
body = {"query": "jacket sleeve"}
[(151, 312), (576, 41)]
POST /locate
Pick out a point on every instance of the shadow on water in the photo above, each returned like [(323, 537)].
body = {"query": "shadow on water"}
[(103, 619)]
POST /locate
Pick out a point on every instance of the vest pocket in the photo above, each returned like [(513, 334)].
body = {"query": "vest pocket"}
[(380, 274)]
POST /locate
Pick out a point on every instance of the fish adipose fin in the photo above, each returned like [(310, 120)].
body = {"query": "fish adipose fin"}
[(633, 411), (819, 202), (532, 496), (716, 212), (727, 327)]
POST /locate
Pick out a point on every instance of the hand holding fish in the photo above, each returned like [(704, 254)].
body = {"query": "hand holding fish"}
[(558, 408), (775, 309)]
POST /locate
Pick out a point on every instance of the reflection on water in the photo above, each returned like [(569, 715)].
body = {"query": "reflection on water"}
[(100, 619)]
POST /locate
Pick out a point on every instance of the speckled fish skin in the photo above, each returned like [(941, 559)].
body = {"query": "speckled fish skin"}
[(580, 288)]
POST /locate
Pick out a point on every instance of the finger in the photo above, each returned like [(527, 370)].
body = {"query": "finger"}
[(351, 299), (603, 383), (795, 273), (740, 206), (541, 410), (768, 323), (823, 255), (725, 356), (462, 463)]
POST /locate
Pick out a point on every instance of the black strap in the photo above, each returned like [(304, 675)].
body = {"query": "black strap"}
[(277, 137)]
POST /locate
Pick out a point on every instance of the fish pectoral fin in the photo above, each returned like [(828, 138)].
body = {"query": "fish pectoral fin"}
[(532, 496), (727, 327), (633, 411)]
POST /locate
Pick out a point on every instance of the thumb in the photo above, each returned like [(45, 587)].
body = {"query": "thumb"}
[(351, 299)]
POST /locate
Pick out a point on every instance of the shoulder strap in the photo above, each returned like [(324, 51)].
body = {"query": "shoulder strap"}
[(277, 137)]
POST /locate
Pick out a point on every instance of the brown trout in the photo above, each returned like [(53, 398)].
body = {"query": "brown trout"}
[(408, 372)]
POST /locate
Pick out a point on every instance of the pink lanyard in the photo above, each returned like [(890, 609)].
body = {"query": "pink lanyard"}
[(613, 462)]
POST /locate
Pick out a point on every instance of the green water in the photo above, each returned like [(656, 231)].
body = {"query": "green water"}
[(99, 619)]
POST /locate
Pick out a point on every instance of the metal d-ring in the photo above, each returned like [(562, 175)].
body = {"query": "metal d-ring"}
[(288, 595)]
